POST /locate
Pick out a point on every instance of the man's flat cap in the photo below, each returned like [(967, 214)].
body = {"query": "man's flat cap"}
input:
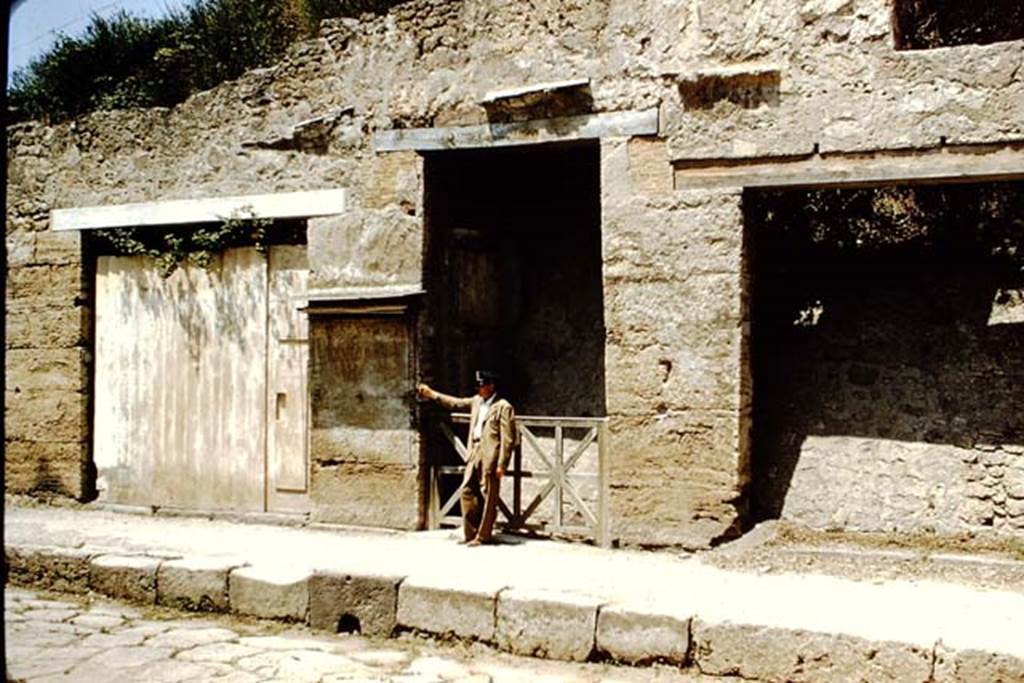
[(486, 376)]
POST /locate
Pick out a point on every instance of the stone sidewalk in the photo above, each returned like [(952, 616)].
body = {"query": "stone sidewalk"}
[(540, 598)]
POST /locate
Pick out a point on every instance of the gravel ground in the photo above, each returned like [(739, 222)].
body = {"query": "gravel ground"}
[(774, 548)]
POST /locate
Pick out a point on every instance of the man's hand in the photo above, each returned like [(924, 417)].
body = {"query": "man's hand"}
[(500, 472), (425, 392)]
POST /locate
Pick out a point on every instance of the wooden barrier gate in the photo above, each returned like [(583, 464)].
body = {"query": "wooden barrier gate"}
[(559, 481)]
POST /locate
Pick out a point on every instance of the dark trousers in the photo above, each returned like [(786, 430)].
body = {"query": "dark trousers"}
[(479, 504)]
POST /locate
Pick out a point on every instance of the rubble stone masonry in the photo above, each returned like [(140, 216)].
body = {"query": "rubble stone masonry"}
[(732, 81)]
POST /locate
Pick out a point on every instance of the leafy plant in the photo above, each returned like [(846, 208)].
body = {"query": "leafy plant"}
[(197, 245)]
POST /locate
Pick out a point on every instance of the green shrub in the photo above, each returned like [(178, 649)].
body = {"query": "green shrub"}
[(125, 61)]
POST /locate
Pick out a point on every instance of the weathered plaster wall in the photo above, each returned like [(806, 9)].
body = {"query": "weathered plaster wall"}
[(675, 312), (732, 80)]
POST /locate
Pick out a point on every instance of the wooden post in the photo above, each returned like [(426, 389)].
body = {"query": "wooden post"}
[(604, 539), (557, 476), (517, 484)]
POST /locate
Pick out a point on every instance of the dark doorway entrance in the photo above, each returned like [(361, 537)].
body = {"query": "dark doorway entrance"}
[(514, 280), (888, 355), (514, 273)]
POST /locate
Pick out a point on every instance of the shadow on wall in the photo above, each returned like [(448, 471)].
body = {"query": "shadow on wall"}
[(888, 354)]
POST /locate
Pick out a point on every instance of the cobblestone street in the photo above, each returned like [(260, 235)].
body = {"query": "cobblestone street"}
[(52, 637)]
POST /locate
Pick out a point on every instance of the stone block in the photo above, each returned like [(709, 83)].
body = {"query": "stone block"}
[(128, 577), (46, 416), (541, 623), (364, 602), (768, 653), (46, 369), (270, 592), (38, 325), (649, 167), (448, 606), (650, 502), (21, 246), (640, 634), (61, 283), (395, 181), (58, 248), (640, 243), (365, 494), (634, 309), (365, 248), (195, 584), (38, 466), (65, 570), (1013, 482), (677, 377), (966, 666)]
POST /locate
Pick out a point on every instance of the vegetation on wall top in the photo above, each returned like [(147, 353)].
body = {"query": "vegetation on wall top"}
[(126, 61), (198, 244)]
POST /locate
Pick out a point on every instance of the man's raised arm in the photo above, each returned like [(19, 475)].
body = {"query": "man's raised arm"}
[(449, 402)]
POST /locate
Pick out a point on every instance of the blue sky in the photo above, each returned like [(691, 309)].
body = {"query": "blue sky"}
[(35, 24)]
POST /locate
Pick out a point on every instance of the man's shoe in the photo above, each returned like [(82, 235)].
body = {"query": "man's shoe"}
[(474, 543)]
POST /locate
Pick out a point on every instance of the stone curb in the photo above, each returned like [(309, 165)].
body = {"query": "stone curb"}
[(523, 621)]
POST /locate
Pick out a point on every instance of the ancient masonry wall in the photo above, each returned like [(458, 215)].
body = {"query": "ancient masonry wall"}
[(770, 82)]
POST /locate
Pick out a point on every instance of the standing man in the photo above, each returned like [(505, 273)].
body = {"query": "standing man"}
[(492, 437)]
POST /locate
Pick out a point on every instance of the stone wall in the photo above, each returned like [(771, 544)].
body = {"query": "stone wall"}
[(733, 81), (677, 393)]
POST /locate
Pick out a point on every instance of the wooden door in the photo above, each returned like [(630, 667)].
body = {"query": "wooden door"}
[(180, 382), (287, 371)]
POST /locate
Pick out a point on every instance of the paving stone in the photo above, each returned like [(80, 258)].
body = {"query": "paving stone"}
[(546, 624), (52, 568), (195, 584), (124, 576), (258, 663), (97, 621), (56, 660), (438, 605), (57, 614), (145, 630), (174, 670), (289, 643), (312, 665), (636, 634), (270, 592), (779, 654), (218, 652), (48, 637), (46, 604), (372, 599), (183, 638), (129, 657), (967, 666), (113, 610), (437, 667), (239, 677), (382, 657), (106, 641)]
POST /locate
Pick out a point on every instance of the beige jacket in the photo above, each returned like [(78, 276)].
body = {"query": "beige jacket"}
[(499, 433)]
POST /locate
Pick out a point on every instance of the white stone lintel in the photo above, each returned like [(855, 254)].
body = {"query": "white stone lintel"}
[(208, 210), (590, 126)]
